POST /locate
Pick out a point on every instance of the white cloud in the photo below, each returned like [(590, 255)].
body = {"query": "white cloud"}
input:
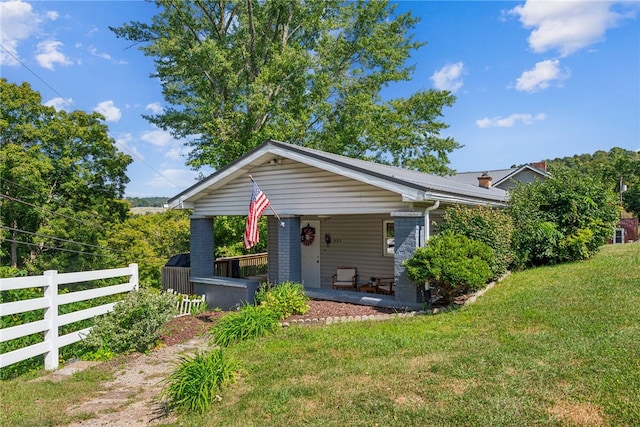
[(448, 77), (108, 109), (541, 77), (155, 108), (95, 52), (510, 121), (159, 138), (48, 54), (60, 103), (174, 178), (123, 142), (18, 22), (569, 26)]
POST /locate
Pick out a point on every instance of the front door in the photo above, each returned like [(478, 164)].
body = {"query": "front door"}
[(310, 253)]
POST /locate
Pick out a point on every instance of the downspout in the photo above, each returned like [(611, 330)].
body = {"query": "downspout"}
[(427, 234)]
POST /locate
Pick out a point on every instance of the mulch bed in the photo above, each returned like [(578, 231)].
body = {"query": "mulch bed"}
[(184, 328)]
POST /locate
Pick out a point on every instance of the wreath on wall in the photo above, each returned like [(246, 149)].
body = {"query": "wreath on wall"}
[(308, 235)]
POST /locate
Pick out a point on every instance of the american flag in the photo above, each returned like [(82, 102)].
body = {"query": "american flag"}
[(259, 203)]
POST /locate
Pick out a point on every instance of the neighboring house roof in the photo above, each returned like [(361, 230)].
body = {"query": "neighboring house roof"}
[(411, 185), (503, 178)]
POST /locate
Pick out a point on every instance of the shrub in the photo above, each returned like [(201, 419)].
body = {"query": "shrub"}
[(195, 384), (285, 299), (451, 262), (494, 227), (564, 218), (251, 321), (134, 324)]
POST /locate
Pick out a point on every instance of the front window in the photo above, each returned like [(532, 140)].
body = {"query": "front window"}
[(388, 237)]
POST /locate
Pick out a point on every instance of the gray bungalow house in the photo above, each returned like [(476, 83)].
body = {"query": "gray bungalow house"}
[(334, 212), (506, 179)]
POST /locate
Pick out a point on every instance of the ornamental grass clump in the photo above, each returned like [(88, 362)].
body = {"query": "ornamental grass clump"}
[(195, 384), (285, 299), (249, 322)]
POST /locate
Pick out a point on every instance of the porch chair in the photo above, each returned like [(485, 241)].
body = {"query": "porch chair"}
[(345, 278), (385, 286)]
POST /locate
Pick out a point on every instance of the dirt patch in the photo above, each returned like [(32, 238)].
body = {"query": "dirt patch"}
[(577, 413)]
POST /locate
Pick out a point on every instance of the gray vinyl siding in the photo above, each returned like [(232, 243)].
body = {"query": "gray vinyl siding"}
[(356, 242), (526, 176), (297, 189)]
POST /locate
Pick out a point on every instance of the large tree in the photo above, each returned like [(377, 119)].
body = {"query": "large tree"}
[(614, 167), (236, 73), (61, 183)]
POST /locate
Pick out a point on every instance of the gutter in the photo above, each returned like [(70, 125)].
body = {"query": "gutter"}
[(427, 234)]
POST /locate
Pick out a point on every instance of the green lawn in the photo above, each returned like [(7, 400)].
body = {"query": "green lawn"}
[(549, 346)]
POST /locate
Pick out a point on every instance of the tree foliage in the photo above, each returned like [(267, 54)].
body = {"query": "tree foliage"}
[(236, 73), (564, 218), (150, 240), (614, 167), (62, 180)]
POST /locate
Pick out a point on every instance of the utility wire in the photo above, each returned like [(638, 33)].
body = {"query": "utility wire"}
[(61, 239), (47, 211), (70, 102), (35, 192), (54, 248)]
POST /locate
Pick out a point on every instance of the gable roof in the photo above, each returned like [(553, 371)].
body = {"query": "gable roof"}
[(412, 185), (499, 176)]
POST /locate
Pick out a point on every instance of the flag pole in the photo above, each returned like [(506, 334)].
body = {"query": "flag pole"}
[(274, 211)]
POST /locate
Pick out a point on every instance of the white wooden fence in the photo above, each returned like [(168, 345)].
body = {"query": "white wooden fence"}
[(185, 303), (50, 302)]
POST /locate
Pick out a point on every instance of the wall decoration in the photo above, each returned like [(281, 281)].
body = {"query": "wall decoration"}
[(308, 235)]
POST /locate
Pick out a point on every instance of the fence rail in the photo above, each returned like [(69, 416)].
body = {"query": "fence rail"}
[(50, 302)]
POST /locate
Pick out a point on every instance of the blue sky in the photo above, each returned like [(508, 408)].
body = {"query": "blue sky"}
[(534, 80)]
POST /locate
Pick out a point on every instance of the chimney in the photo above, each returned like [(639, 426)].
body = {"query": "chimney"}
[(484, 180), (540, 165)]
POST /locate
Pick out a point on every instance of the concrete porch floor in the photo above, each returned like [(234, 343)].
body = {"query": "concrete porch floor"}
[(361, 298)]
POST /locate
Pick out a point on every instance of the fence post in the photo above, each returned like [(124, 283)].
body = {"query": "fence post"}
[(134, 276), (51, 314)]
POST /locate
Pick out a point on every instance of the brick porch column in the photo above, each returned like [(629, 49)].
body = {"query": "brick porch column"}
[(202, 246), (284, 249), (409, 229)]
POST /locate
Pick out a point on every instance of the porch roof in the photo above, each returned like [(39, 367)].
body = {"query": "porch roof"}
[(412, 185)]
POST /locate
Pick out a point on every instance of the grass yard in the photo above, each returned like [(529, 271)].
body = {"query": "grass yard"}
[(553, 346), (549, 346)]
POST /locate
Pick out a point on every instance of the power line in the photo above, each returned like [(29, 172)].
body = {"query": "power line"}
[(35, 192), (54, 248), (62, 240), (70, 102), (46, 210)]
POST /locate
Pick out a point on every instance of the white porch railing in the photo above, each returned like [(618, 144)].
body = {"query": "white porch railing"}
[(50, 302)]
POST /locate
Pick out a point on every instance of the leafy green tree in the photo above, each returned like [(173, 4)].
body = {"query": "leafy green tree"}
[(564, 218), (236, 73), (150, 240), (614, 167), (61, 179)]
